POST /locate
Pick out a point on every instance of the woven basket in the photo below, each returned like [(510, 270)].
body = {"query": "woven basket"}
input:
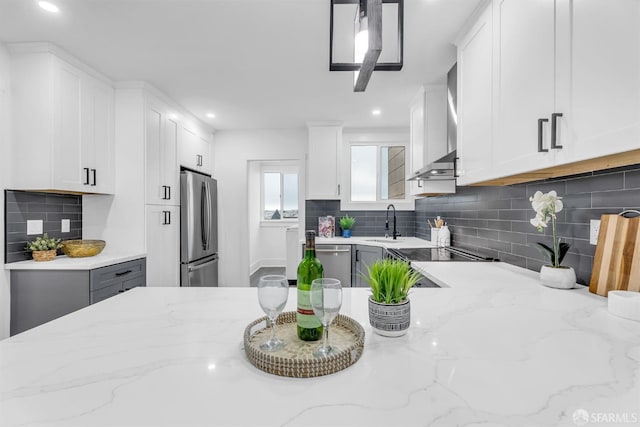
[(296, 359), (44, 255)]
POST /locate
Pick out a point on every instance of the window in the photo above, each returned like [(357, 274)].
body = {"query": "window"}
[(279, 196), (377, 173), (374, 170)]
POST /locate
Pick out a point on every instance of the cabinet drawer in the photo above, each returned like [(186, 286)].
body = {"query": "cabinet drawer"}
[(133, 283), (106, 292), (118, 273)]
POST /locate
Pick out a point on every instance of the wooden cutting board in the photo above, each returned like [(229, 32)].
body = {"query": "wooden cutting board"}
[(616, 265)]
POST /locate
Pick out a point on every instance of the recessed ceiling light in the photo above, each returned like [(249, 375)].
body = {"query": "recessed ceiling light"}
[(49, 7), (211, 115), (376, 112)]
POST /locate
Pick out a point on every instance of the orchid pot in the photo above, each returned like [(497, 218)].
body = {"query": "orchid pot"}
[(558, 277)]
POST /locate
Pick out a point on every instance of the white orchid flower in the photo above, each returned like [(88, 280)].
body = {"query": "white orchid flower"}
[(538, 222), (546, 207)]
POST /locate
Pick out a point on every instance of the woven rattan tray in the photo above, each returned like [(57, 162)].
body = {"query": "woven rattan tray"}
[(346, 336)]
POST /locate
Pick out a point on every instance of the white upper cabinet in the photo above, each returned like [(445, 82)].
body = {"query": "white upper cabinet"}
[(195, 148), (323, 162), (524, 54), (428, 138), (162, 171), (598, 84), (475, 101), (565, 85), (62, 124)]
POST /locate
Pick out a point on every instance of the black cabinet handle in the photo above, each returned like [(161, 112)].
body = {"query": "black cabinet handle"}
[(357, 255), (164, 192), (169, 196), (124, 273), (419, 183), (540, 124), (120, 291), (167, 217), (86, 176), (554, 130), (93, 172)]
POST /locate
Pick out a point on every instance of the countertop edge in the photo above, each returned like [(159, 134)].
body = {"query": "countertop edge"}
[(66, 263)]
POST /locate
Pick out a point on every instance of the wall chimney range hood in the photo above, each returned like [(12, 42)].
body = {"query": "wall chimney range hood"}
[(442, 169)]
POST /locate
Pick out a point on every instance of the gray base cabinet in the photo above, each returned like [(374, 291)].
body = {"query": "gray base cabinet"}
[(363, 256), (39, 296)]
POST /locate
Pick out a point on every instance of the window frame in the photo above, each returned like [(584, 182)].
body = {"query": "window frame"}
[(408, 203), (282, 170)]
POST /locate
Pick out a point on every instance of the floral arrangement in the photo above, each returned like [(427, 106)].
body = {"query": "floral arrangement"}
[(547, 205)]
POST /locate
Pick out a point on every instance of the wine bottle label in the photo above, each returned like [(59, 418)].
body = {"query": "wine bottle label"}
[(305, 317)]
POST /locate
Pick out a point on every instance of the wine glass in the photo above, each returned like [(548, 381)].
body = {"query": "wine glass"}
[(273, 292), (326, 300)]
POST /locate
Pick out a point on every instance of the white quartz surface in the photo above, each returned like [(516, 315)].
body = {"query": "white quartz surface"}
[(66, 263), (495, 349), (380, 241)]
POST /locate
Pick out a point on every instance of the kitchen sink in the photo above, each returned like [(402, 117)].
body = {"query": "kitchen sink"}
[(389, 240)]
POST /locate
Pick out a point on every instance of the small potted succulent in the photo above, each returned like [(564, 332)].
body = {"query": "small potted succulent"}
[(44, 248), (547, 205), (389, 306), (346, 224)]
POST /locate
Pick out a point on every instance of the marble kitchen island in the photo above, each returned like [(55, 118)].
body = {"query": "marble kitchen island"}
[(504, 351)]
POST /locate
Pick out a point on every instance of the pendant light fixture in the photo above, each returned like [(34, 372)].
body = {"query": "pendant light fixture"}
[(365, 38)]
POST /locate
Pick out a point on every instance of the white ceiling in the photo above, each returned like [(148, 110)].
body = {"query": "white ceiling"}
[(254, 63)]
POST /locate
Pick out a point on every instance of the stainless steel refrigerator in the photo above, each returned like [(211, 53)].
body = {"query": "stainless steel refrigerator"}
[(198, 230)]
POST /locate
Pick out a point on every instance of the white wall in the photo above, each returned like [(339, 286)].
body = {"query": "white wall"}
[(232, 152), (5, 171)]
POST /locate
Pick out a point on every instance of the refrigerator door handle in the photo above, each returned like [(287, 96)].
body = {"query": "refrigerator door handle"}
[(208, 215), (203, 215), (201, 266)]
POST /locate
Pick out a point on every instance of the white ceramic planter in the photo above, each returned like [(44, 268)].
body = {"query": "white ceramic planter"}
[(390, 320), (560, 278)]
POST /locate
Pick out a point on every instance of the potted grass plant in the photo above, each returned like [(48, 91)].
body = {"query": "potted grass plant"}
[(346, 224), (44, 248), (389, 306)]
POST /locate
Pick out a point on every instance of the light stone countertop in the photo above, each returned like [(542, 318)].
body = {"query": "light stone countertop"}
[(494, 349), (66, 263)]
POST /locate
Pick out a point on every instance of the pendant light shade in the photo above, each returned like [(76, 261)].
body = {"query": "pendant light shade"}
[(357, 30)]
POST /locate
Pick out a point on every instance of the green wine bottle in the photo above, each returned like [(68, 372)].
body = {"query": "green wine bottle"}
[(309, 327)]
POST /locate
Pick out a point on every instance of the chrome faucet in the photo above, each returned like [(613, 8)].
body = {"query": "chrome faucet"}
[(386, 223)]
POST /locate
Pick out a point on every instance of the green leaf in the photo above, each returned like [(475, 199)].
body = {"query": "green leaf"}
[(545, 250), (562, 251)]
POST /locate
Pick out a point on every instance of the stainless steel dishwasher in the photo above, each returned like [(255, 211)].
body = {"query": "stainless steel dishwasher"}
[(336, 260)]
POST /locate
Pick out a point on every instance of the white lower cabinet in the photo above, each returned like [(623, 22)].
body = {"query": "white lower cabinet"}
[(163, 245)]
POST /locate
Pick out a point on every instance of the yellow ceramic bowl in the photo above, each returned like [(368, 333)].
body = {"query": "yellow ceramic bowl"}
[(82, 248)]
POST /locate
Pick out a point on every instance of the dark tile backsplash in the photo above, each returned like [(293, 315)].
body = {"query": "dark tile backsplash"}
[(495, 220), (368, 223), (21, 206)]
